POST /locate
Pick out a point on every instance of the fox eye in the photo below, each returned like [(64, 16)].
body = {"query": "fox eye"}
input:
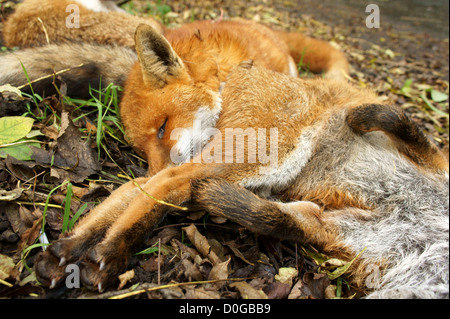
[(162, 130)]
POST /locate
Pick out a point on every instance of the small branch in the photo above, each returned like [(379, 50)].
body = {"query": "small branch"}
[(141, 291), (150, 196), (51, 75)]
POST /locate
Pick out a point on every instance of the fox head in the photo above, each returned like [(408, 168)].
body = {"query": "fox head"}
[(165, 104)]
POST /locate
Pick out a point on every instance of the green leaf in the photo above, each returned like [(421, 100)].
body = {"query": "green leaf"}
[(406, 88), (437, 96), (77, 215), (315, 255), (14, 128), (148, 251), (68, 201), (339, 271), (21, 150), (432, 107)]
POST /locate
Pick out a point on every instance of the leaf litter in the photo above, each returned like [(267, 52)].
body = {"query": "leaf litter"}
[(191, 255)]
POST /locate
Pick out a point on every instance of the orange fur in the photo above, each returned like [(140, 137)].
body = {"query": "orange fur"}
[(23, 28)]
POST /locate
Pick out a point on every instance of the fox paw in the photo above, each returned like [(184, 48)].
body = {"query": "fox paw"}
[(50, 265), (99, 270), (48, 270)]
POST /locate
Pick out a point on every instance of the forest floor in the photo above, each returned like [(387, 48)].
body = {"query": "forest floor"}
[(407, 68)]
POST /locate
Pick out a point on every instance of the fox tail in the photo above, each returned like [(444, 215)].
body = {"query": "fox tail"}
[(315, 55), (79, 66)]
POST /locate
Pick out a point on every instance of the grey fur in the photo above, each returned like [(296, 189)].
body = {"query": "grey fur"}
[(110, 63), (409, 226)]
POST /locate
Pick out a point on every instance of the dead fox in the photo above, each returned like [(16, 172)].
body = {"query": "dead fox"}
[(352, 176), (101, 48)]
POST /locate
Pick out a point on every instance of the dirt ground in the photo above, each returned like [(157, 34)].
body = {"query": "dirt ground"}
[(405, 65)]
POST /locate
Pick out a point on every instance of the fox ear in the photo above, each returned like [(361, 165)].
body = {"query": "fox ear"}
[(159, 62)]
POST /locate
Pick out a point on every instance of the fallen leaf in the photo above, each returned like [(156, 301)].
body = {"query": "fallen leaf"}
[(247, 291), (315, 285), (23, 170), (10, 92), (277, 290), (27, 216), (29, 236), (201, 244), (201, 293), (13, 128), (191, 270), (437, 96), (220, 272), (10, 195), (340, 267), (296, 291), (286, 275), (232, 245), (6, 267), (74, 158), (22, 150), (330, 292), (12, 212), (125, 278)]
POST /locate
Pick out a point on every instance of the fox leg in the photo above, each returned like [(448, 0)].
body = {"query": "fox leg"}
[(317, 55), (105, 261), (301, 221), (407, 136), (73, 246)]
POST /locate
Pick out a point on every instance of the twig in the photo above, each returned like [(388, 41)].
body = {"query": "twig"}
[(5, 283), (159, 261), (40, 204), (22, 142), (51, 75), (141, 291), (45, 30), (150, 196)]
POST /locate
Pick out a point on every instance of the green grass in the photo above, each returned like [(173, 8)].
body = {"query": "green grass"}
[(104, 104), (158, 10)]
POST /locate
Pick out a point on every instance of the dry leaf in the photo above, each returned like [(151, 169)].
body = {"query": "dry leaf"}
[(10, 195), (201, 293), (29, 217), (330, 292), (6, 267), (191, 270), (30, 235), (201, 244), (220, 272), (232, 245), (247, 291), (277, 290), (286, 275), (125, 278), (296, 291)]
